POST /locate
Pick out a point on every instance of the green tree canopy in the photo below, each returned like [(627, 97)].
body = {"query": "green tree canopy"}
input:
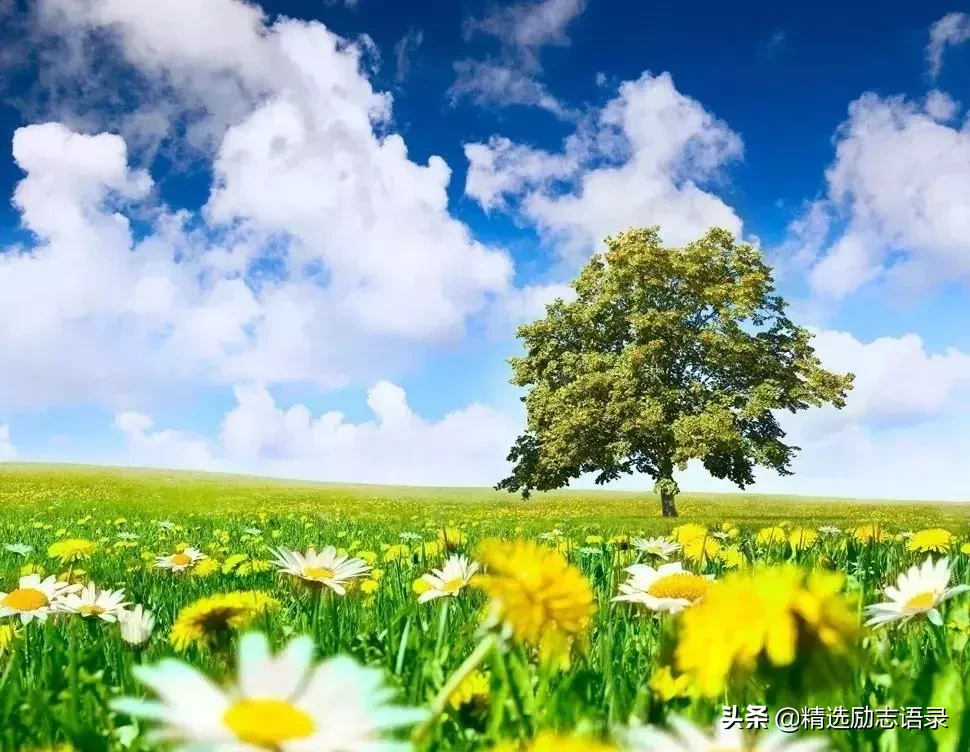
[(666, 355)]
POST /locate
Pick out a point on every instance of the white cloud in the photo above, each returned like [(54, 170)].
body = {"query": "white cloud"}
[(465, 447), (951, 30), (323, 250), (404, 50), (7, 450), (522, 29), (638, 161), (898, 200)]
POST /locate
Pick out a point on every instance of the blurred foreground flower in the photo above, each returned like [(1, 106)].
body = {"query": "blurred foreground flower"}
[(74, 549), (536, 595), (548, 741), (918, 592), (686, 737), (773, 619), (282, 703)]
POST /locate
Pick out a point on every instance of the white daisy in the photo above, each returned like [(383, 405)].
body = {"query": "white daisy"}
[(166, 524), (409, 536), (326, 568), (686, 737), (450, 579), (89, 601), (669, 588), (179, 562), (136, 625), (659, 547), (918, 592), (282, 703), (127, 536), (19, 548), (252, 531), (590, 550), (551, 535), (829, 530), (34, 598)]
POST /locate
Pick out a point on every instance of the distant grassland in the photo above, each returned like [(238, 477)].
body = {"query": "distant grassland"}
[(28, 490)]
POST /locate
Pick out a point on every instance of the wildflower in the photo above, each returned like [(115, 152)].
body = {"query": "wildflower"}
[(935, 539), (8, 635), (767, 618), (207, 567), (829, 530), (282, 703), (449, 580), (72, 549), (659, 547), (549, 741), (700, 549), (451, 538), (769, 535), (419, 586), (327, 568), (209, 620), (406, 536), (667, 589), (180, 561), (539, 597), (965, 548), (29, 569), (34, 598), (801, 538), (475, 689), (666, 687), (89, 601), (594, 540), (732, 557), (918, 592), (686, 737), (136, 625), (21, 549), (551, 535), (166, 524), (252, 531), (590, 550), (232, 562), (125, 536), (688, 532), (395, 552), (870, 534)]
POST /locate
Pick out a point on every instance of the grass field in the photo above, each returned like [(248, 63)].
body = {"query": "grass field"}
[(536, 646)]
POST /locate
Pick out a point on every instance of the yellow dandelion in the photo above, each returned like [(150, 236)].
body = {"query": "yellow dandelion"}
[(8, 635), (539, 597), (72, 549), (688, 532), (368, 557), (451, 538), (802, 538), (233, 561), (209, 621), (369, 586), (206, 567), (934, 539), (769, 535), (772, 617), (732, 557), (700, 549), (870, 534), (965, 548), (397, 551), (474, 690), (548, 741), (666, 687), (28, 569)]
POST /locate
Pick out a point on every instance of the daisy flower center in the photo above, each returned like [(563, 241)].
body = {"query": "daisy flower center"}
[(452, 586), (683, 585), (318, 573), (25, 599), (181, 560), (267, 723), (921, 601), (89, 610)]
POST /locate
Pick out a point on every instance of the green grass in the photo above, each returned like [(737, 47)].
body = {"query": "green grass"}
[(26, 488), (57, 680)]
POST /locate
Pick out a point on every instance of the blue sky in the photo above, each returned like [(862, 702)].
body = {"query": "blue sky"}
[(220, 235)]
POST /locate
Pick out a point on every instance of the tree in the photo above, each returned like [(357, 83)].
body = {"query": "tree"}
[(666, 355)]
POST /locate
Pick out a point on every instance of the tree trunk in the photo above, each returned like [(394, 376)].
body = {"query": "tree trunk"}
[(667, 503)]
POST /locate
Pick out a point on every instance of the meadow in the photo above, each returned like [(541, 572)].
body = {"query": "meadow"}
[(466, 619)]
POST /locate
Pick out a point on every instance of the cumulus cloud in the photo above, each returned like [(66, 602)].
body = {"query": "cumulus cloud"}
[(897, 203), (7, 450), (522, 29), (321, 243), (951, 30), (639, 160), (465, 447)]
